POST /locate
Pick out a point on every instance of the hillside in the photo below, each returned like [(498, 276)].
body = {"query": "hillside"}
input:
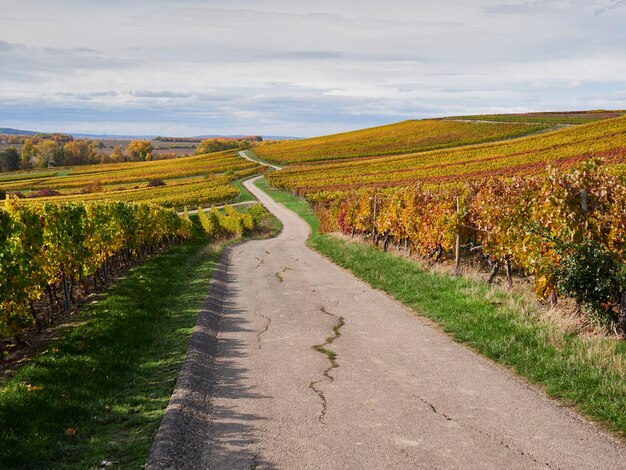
[(403, 137), (11, 131), (172, 183), (562, 148), (556, 118)]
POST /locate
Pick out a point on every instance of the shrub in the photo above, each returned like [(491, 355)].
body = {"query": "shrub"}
[(94, 187), (46, 193), (594, 276), (154, 182), (258, 213)]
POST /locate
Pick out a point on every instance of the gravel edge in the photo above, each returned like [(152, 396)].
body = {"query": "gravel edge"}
[(183, 436)]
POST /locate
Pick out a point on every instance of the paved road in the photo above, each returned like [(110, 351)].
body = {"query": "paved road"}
[(244, 154), (399, 394)]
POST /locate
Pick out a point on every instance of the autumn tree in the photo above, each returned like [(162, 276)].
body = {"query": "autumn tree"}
[(139, 150), (60, 139), (28, 151), (47, 154), (118, 155), (9, 160), (80, 152), (216, 145)]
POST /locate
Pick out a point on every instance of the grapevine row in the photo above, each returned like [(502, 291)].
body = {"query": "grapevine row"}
[(529, 223), (230, 223), (401, 138), (176, 194), (185, 181), (528, 155), (55, 249), (127, 173)]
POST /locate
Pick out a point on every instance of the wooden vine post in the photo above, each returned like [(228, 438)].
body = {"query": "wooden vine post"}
[(622, 318), (374, 239), (457, 247), (66, 292)]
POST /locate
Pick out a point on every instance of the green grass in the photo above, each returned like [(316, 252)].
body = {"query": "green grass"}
[(332, 355), (296, 204), (17, 176), (581, 372), (244, 194), (110, 376)]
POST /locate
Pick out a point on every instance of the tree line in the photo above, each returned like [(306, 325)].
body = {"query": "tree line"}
[(63, 150), (52, 150)]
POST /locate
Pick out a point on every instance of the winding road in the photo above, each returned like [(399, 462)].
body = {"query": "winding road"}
[(296, 364)]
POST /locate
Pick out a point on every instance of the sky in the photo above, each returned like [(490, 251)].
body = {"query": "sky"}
[(300, 68)]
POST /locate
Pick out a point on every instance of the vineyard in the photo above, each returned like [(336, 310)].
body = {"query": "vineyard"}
[(528, 155), (404, 137), (51, 252), (552, 206), (194, 180), (65, 231), (230, 223), (572, 117), (551, 226)]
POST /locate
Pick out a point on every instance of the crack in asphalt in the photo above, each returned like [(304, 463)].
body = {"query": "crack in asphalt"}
[(279, 273), (323, 310), (432, 407), (483, 433), (260, 260), (332, 358), (504, 444), (322, 397), (264, 330)]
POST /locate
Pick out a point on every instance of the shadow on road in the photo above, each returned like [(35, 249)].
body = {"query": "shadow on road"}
[(194, 433)]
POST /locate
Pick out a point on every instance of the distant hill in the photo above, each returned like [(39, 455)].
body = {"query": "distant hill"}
[(152, 137), (393, 139), (112, 136), (281, 137), (459, 163), (11, 131), (547, 117), (264, 137), (426, 134)]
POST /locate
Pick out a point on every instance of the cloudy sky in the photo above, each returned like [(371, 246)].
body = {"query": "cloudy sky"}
[(302, 68)]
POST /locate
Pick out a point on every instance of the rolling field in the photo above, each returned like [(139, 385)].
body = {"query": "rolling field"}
[(571, 117), (394, 139), (194, 180), (529, 155)]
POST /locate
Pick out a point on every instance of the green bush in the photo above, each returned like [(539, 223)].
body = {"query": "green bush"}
[(258, 213), (594, 276), (230, 224)]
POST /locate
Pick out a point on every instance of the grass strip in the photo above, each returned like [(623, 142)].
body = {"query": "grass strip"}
[(17, 176), (244, 194), (584, 373), (99, 391), (294, 203)]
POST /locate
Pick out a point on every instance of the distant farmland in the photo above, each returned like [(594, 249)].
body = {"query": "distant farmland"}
[(201, 179)]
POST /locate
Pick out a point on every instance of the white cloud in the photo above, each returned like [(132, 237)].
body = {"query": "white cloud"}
[(279, 67)]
